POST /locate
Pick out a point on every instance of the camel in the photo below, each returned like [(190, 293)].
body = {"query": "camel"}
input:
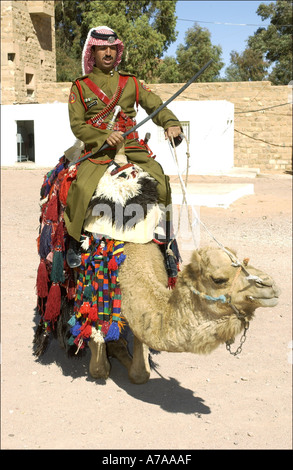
[(212, 302)]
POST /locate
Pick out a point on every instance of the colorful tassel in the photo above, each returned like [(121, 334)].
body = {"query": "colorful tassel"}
[(87, 293), (105, 325), (86, 330), (57, 272), (72, 321), (58, 236), (93, 314), (121, 258), (113, 332), (66, 183), (75, 330), (42, 280), (53, 304), (97, 304), (172, 282), (45, 241), (52, 209), (112, 265)]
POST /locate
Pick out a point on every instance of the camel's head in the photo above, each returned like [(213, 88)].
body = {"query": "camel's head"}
[(213, 273)]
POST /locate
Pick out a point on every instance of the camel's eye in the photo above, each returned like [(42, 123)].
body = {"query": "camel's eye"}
[(219, 280)]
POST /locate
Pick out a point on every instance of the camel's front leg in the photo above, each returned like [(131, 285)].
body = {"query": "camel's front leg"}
[(139, 372), (118, 349), (99, 364)]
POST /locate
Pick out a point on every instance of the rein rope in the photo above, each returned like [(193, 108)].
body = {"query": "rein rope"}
[(235, 261)]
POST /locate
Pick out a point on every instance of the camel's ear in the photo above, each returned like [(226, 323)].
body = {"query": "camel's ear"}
[(194, 267)]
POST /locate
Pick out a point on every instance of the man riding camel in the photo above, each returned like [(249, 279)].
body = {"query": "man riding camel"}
[(92, 102)]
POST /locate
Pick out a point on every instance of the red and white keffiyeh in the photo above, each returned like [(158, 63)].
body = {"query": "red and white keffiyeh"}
[(99, 36)]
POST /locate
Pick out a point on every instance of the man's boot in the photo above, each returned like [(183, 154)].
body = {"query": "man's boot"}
[(73, 255)]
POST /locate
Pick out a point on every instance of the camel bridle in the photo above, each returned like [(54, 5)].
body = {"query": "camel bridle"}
[(226, 299)]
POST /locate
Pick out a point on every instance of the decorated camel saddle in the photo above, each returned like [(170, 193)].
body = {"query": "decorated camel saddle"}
[(123, 209), (123, 282)]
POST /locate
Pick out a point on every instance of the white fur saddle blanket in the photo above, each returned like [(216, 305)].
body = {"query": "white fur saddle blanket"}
[(125, 205)]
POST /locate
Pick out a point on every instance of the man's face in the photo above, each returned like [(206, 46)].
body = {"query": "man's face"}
[(105, 57)]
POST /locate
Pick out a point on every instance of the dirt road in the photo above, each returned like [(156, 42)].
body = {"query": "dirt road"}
[(191, 402)]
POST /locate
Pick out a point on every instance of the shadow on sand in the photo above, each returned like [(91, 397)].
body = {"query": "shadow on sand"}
[(167, 393)]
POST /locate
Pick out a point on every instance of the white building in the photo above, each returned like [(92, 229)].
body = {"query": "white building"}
[(40, 133)]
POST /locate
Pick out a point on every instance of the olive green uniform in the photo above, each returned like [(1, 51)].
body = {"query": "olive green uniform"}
[(90, 172)]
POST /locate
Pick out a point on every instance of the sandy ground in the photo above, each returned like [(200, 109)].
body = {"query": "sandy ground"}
[(191, 402)]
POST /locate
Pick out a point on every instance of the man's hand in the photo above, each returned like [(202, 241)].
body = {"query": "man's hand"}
[(115, 138), (173, 131)]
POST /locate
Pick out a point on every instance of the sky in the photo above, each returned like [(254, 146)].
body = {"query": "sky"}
[(242, 15)]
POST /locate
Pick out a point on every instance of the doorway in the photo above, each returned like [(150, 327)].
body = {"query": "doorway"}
[(25, 138)]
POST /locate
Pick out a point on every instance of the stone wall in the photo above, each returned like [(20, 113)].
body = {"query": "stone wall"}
[(28, 56), (262, 113)]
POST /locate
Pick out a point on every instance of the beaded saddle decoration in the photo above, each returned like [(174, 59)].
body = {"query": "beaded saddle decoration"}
[(97, 306)]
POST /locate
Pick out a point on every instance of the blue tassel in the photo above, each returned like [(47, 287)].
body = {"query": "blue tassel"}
[(75, 330), (70, 341), (45, 241), (121, 258), (72, 321), (113, 332)]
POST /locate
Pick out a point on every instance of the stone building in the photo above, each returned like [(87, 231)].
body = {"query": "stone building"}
[(28, 55)]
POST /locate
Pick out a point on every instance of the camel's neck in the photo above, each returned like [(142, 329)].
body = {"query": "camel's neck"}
[(178, 322)]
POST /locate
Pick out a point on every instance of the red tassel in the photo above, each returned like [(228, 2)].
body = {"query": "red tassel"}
[(52, 210), (42, 280), (65, 185), (85, 330), (58, 237), (93, 313), (112, 265), (172, 282), (105, 327), (85, 308), (53, 304)]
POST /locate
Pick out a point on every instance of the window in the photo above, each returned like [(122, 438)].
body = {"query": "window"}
[(11, 56), (29, 78), (186, 129)]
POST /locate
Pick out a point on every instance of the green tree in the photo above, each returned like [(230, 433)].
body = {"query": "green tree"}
[(268, 54), (191, 57), (146, 27), (275, 41), (247, 66), (68, 19), (167, 71)]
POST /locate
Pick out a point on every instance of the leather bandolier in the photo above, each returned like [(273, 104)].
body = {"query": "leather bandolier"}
[(124, 122)]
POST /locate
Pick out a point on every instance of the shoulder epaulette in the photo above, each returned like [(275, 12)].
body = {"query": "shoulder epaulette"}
[(122, 72), (80, 78)]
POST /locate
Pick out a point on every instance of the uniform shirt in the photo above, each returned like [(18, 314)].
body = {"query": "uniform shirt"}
[(94, 138)]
